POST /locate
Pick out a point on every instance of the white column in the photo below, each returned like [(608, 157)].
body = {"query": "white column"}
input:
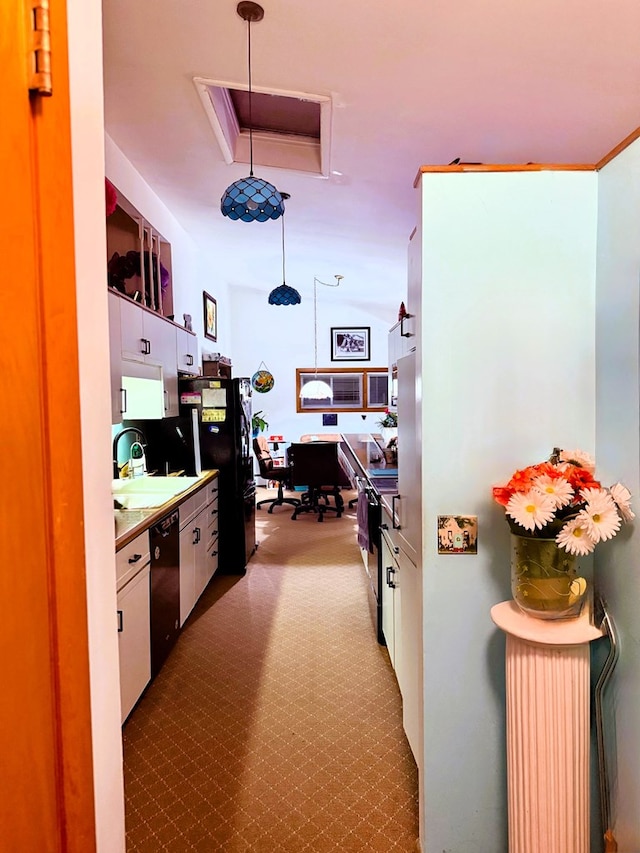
[(547, 691)]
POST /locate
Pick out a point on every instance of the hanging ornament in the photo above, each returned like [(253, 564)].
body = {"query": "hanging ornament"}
[(262, 380)]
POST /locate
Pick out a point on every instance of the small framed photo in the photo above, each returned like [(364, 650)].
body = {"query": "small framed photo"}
[(210, 317), (350, 343)]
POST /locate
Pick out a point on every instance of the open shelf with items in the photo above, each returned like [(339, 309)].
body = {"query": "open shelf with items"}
[(130, 240)]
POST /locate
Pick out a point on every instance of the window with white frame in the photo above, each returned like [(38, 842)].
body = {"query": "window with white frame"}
[(364, 389)]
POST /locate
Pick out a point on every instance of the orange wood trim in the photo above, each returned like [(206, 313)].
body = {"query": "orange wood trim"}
[(324, 370), (354, 369), (506, 167), (46, 787), (63, 448), (619, 148)]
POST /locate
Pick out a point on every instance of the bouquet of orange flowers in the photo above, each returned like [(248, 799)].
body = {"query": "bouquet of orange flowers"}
[(561, 499)]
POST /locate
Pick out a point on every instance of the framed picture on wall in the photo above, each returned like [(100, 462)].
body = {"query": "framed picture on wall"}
[(350, 343), (210, 317)]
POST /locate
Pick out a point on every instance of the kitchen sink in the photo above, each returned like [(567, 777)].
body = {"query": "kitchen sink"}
[(142, 501), (153, 485), (146, 492)]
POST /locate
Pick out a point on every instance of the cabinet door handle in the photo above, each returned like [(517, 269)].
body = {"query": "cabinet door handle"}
[(196, 533), (148, 346), (135, 558), (123, 400), (166, 400), (120, 622), (189, 359), (214, 553), (390, 571), (393, 512), (404, 334)]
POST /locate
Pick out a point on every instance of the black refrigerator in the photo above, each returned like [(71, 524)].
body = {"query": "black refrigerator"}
[(213, 431)]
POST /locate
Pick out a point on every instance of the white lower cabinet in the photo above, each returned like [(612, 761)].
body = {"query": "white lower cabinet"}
[(402, 628), (391, 594), (198, 546), (134, 641)]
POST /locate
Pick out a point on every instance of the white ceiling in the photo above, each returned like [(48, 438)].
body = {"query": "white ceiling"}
[(412, 82)]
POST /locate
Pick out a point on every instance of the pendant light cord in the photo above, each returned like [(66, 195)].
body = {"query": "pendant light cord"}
[(250, 111), (315, 326), (316, 282), (282, 217)]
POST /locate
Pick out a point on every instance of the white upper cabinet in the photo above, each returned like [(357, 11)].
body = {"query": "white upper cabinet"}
[(187, 352)]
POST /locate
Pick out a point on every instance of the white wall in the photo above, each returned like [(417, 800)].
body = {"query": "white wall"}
[(507, 359), (85, 69), (617, 432), (283, 337)]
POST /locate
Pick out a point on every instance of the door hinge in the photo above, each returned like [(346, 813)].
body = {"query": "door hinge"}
[(40, 52)]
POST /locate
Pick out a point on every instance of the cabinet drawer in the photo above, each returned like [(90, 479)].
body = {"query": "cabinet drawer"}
[(212, 491), (131, 558), (201, 498), (212, 513), (187, 510), (212, 535), (212, 558)]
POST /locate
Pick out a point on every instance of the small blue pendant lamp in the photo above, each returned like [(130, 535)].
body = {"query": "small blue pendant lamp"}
[(251, 199), (284, 295)]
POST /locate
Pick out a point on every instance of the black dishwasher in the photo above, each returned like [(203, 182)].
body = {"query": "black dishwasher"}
[(164, 541)]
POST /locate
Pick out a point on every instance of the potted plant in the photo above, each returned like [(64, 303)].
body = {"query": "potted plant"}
[(557, 511), (388, 424), (258, 423)]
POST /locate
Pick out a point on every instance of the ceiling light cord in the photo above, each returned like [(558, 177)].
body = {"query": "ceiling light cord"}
[(250, 111), (283, 278), (316, 282)]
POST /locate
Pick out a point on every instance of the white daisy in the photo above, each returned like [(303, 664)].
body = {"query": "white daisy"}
[(600, 515), (557, 488), (531, 509), (622, 497), (575, 538), (583, 459)]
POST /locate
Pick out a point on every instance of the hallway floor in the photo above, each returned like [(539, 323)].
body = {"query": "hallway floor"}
[(276, 723)]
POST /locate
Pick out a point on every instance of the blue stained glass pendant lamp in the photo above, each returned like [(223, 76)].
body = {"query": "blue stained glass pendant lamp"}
[(251, 199), (284, 295)]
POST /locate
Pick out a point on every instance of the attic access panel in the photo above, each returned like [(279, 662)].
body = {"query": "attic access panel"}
[(290, 129), (277, 114)]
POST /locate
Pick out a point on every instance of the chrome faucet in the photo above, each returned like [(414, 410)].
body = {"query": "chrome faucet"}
[(143, 440)]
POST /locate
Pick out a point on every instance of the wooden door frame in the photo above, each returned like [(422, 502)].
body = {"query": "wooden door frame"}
[(46, 789)]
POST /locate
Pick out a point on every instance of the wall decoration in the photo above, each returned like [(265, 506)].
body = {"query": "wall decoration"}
[(350, 343), (210, 317), (457, 534), (329, 419), (262, 380)]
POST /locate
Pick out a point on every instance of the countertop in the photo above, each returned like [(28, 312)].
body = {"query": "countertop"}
[(130, 523), (364, 451), (367, 452)]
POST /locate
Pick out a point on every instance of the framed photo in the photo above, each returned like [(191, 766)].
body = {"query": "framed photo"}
[(210, 317), (350, 343)]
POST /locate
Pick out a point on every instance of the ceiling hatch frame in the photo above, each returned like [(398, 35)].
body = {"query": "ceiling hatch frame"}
[(292, 152)]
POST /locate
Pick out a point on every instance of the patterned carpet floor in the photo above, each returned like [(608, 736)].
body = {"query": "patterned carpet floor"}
[(276, 723)]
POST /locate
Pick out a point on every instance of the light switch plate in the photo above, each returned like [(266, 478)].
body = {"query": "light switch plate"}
[(457, 534)]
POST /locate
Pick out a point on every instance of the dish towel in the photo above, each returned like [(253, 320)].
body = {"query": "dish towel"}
[(362, 516)]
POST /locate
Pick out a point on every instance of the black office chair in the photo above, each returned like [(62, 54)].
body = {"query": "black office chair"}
[(316, 465), (269, 472)]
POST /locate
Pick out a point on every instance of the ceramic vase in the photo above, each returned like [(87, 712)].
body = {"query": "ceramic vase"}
[(544, 579)]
